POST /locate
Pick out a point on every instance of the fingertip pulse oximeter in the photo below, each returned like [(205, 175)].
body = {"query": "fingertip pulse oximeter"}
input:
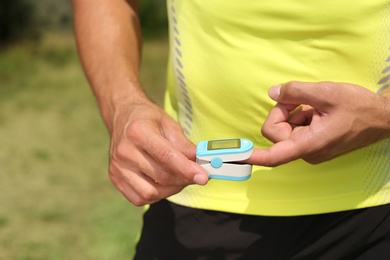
[(221, 158)]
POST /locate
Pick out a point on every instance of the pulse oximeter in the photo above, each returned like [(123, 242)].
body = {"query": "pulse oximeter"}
[(221, 158)]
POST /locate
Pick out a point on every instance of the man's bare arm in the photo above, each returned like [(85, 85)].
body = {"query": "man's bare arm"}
[(109, 41), (150, 158)]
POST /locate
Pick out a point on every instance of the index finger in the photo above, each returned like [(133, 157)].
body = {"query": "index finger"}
[(280, 153), (172, 159), (276, 127)]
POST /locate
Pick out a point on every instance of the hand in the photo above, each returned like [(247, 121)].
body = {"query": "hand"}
[(320, 121), (150, 158)]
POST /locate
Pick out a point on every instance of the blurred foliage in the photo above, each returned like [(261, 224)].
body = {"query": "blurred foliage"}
[(17, 21), (53, 15), (28, 19), (153, 15), (56, 199)]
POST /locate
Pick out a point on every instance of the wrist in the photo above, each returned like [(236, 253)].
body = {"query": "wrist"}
[(118, 100)]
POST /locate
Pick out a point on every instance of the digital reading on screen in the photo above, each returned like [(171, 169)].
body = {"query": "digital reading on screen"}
[(224, 144)]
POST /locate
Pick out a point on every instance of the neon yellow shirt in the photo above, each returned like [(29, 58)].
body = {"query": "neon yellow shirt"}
[(224, 57)]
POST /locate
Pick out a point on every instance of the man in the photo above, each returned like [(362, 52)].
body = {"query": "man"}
[(319, 188)]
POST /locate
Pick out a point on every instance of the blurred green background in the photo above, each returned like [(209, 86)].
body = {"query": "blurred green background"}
[(56, 201)]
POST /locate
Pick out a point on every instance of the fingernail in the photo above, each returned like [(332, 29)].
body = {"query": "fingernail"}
[(200, 179), (274, 92)]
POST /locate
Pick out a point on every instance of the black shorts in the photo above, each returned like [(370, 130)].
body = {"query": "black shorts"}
[(174, 232)]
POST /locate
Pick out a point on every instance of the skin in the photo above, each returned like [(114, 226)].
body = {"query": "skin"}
[(322, 120), (150, 157)]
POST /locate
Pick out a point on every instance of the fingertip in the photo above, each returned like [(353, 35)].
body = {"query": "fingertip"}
[(201, 178), (274, 92), (258, 157)]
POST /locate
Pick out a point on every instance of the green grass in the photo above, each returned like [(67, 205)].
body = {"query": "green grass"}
[(56, 201)]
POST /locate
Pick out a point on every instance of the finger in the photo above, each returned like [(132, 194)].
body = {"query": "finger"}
[(148, 165), (319, 94), (297, 146), (278, 154), (134, 158), (139, 188), (166, 155), (301, 116), (171, 158), (277, 127), (173, 132)]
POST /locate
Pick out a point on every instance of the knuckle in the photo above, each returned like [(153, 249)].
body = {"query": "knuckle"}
[(292, 84), (138, 202), (164, 179), (148, 195), (135, 130), (165, 155), (265, 130), (291, 87), (271, 133), (121, 152), (115, 171), (113, 177)]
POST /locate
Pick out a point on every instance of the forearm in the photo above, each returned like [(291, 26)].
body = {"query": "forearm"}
[(109, 43)]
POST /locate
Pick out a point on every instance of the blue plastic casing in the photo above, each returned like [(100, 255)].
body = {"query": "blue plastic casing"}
[(225, 154)]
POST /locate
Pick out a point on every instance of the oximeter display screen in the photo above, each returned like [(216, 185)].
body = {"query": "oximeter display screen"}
[(224, 144)]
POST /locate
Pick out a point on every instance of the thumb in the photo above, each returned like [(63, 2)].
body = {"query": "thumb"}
[(317, 95)]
